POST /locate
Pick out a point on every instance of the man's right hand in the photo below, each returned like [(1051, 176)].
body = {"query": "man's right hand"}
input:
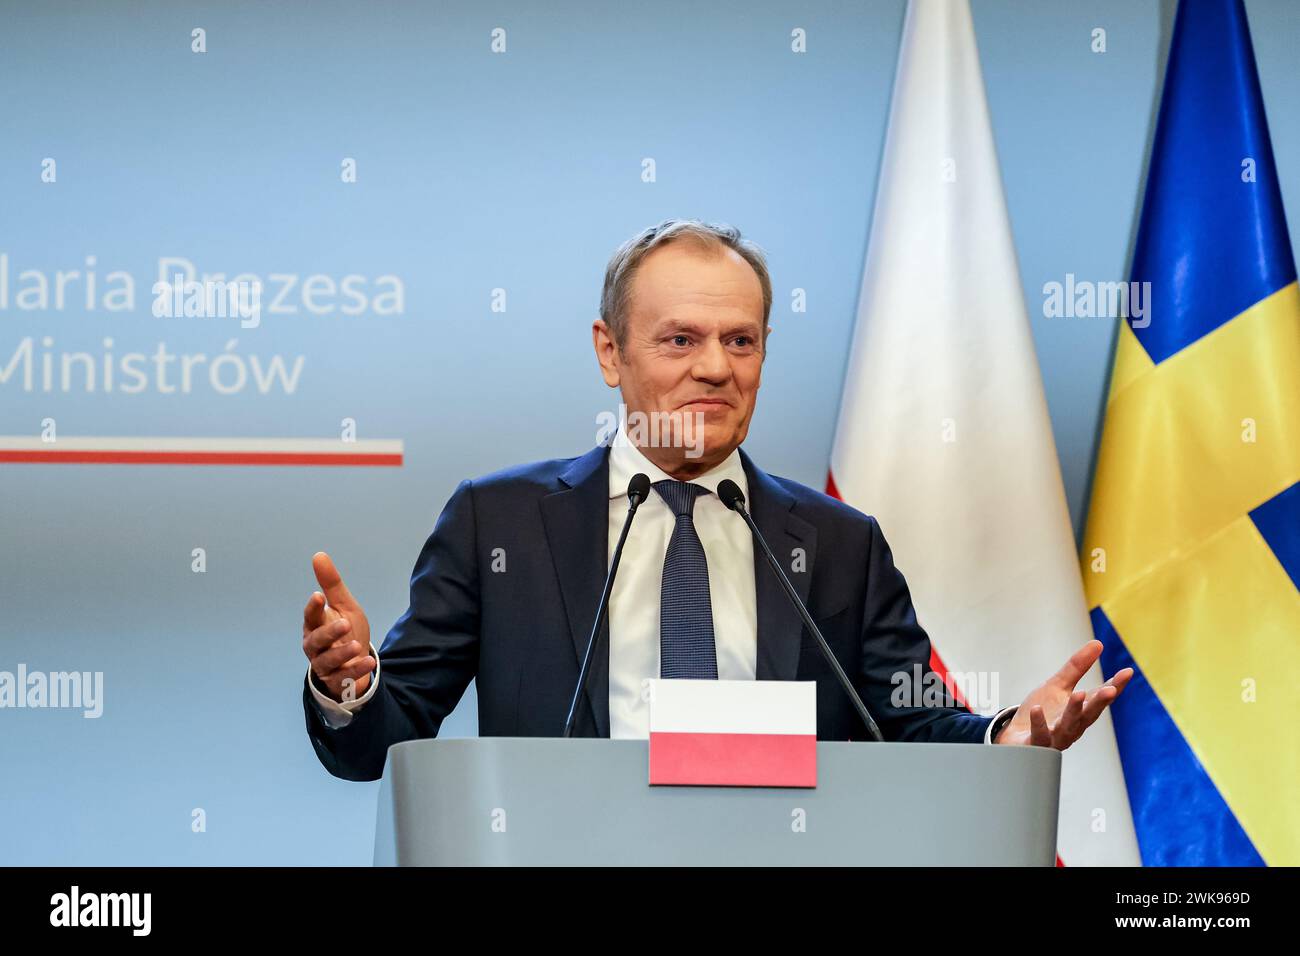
[(336, 635)]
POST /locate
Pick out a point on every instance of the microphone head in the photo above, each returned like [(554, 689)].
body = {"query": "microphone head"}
[(638, 489), (731, 494)]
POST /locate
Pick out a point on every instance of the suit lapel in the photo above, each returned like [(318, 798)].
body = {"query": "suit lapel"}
[(779, 627), (577, 531)]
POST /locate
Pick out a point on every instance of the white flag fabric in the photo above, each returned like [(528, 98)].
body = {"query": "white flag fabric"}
[(943, 432)]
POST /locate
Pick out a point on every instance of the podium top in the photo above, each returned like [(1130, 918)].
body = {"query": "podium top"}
[(551, 801)]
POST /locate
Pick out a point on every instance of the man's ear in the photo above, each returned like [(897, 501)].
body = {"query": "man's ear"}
[(606, 352)]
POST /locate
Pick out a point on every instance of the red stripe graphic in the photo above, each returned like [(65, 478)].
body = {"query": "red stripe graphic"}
[(87, 457), (733, 760)]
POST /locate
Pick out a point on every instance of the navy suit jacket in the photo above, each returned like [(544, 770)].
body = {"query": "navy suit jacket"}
[(522, 632)]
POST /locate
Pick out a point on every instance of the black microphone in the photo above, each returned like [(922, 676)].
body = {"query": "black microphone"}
[(638, 489), (734, 499)]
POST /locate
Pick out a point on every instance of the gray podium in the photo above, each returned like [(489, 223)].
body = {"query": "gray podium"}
[(535, 801)]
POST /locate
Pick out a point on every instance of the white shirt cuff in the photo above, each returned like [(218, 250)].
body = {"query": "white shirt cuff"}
[(338, 715), (988, 733)]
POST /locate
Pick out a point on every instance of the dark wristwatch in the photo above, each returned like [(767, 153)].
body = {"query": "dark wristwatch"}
[(999, 723)]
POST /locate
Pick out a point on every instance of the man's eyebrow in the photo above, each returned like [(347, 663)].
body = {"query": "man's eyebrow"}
[(745, 327), (668, 323), (752, 326)]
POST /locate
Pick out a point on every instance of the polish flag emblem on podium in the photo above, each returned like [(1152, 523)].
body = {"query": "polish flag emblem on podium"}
[(733, 733)]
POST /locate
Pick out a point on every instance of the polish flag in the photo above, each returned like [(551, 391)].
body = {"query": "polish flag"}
[(733, 733), (943, 432)]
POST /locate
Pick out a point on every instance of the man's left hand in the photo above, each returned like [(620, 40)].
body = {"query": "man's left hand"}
[(1055, 714)]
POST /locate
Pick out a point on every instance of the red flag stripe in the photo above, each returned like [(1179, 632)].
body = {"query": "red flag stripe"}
[(733, 760)]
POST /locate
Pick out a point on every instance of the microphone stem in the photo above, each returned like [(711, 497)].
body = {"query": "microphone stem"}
[(849, 689), (600, 619)]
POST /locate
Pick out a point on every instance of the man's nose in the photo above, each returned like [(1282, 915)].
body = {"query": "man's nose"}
[(711, 363)]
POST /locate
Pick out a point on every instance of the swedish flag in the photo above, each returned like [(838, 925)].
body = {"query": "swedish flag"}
[(1192, 552)]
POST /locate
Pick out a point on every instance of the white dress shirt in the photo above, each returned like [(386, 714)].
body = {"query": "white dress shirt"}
[(634, 603)]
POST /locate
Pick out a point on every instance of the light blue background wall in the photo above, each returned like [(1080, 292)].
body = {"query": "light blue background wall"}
[(475, 171)]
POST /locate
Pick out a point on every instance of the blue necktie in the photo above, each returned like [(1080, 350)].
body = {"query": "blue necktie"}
[(686, 646)]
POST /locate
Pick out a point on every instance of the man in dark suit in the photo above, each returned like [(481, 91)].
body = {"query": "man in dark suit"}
[(506, 587)]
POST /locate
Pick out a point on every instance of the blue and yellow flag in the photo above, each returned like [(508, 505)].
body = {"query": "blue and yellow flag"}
[(1192, 553)]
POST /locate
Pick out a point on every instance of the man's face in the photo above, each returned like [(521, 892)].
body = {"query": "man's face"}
[(694, 348)]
